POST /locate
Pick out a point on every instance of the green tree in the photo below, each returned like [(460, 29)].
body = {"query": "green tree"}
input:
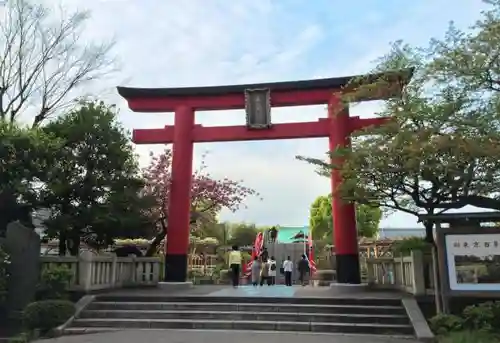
[(243, 234), (26, 156), (321, 222), (219, 231), (441, 150), (471, 59), (93, 191)]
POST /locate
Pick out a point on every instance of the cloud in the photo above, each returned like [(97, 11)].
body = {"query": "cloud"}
[(164, 43)]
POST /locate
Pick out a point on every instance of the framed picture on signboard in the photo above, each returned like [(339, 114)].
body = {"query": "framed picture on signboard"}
[(473, 261), (469, 259)]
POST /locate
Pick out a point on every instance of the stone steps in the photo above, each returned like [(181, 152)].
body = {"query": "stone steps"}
[(325, 315), (256, 307), (360, 301), (251, 325), (248, 316)]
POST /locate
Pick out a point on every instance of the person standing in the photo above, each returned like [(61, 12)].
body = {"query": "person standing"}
[(264, 255), (287, 269), (235, 264), (273, 233), (303, 267), (272, 271), (264, 272), (256, 271)]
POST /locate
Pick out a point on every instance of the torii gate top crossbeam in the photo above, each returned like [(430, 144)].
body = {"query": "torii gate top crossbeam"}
[(296, 93)]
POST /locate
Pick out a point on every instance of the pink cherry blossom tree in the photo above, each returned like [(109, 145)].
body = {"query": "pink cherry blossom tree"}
[(208, 195)]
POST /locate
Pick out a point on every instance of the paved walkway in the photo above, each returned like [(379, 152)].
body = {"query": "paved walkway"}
[(195, 336)]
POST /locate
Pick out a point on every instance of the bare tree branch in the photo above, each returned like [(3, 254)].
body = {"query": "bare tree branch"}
[(45, 60)]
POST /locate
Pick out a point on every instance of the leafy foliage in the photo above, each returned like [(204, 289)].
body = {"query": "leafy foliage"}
[(445, 323), (45, 315), (469, 336), (482, 317), (321, 221), (441, 149), (27, 155), (4, 274), (219, 231), (55, 282), (93, 190), (243, 234), (407, 245)]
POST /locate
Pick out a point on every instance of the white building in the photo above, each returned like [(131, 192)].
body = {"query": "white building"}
[(393, 232)]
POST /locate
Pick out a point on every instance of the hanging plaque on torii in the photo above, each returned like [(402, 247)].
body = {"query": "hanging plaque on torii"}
[(258, 108)]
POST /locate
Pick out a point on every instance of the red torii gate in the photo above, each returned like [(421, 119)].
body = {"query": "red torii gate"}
[(258, 100)]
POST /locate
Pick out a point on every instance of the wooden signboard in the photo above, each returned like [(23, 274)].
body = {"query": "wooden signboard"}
[(469, 261)]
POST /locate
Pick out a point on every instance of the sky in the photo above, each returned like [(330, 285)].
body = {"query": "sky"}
[(172, 43)]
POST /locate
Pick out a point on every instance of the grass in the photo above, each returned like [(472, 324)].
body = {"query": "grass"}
[(470, 337)]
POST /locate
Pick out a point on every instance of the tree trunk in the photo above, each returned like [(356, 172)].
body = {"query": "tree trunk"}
[(429, 234), (153, 246), (62, 244), (74, 248), (429, 238)]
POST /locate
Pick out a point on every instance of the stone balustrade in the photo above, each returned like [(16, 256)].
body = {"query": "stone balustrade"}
[(406, 273), (95, 272)]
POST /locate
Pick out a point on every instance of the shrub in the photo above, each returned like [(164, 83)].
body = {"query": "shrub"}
[(4, 263), (323, 263), (47, 314), (324, 275), (224, 275), (194, 274), (442, 324), (21, 338), (469, 337), (55, 282), (482, 317), (217, 270)]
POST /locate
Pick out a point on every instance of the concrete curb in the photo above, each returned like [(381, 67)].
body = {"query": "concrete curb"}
[(343, 288), (80, 306), (175, 286), (417, 319), (88, 331)]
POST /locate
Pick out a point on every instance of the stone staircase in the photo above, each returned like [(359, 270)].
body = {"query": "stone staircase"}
[(328, 315)]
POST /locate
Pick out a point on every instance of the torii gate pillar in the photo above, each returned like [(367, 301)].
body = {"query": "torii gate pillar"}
[(345, 238)]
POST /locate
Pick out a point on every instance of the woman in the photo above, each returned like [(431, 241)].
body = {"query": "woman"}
[(272, 271), (255, 271), (264, 272), (235, 265)]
